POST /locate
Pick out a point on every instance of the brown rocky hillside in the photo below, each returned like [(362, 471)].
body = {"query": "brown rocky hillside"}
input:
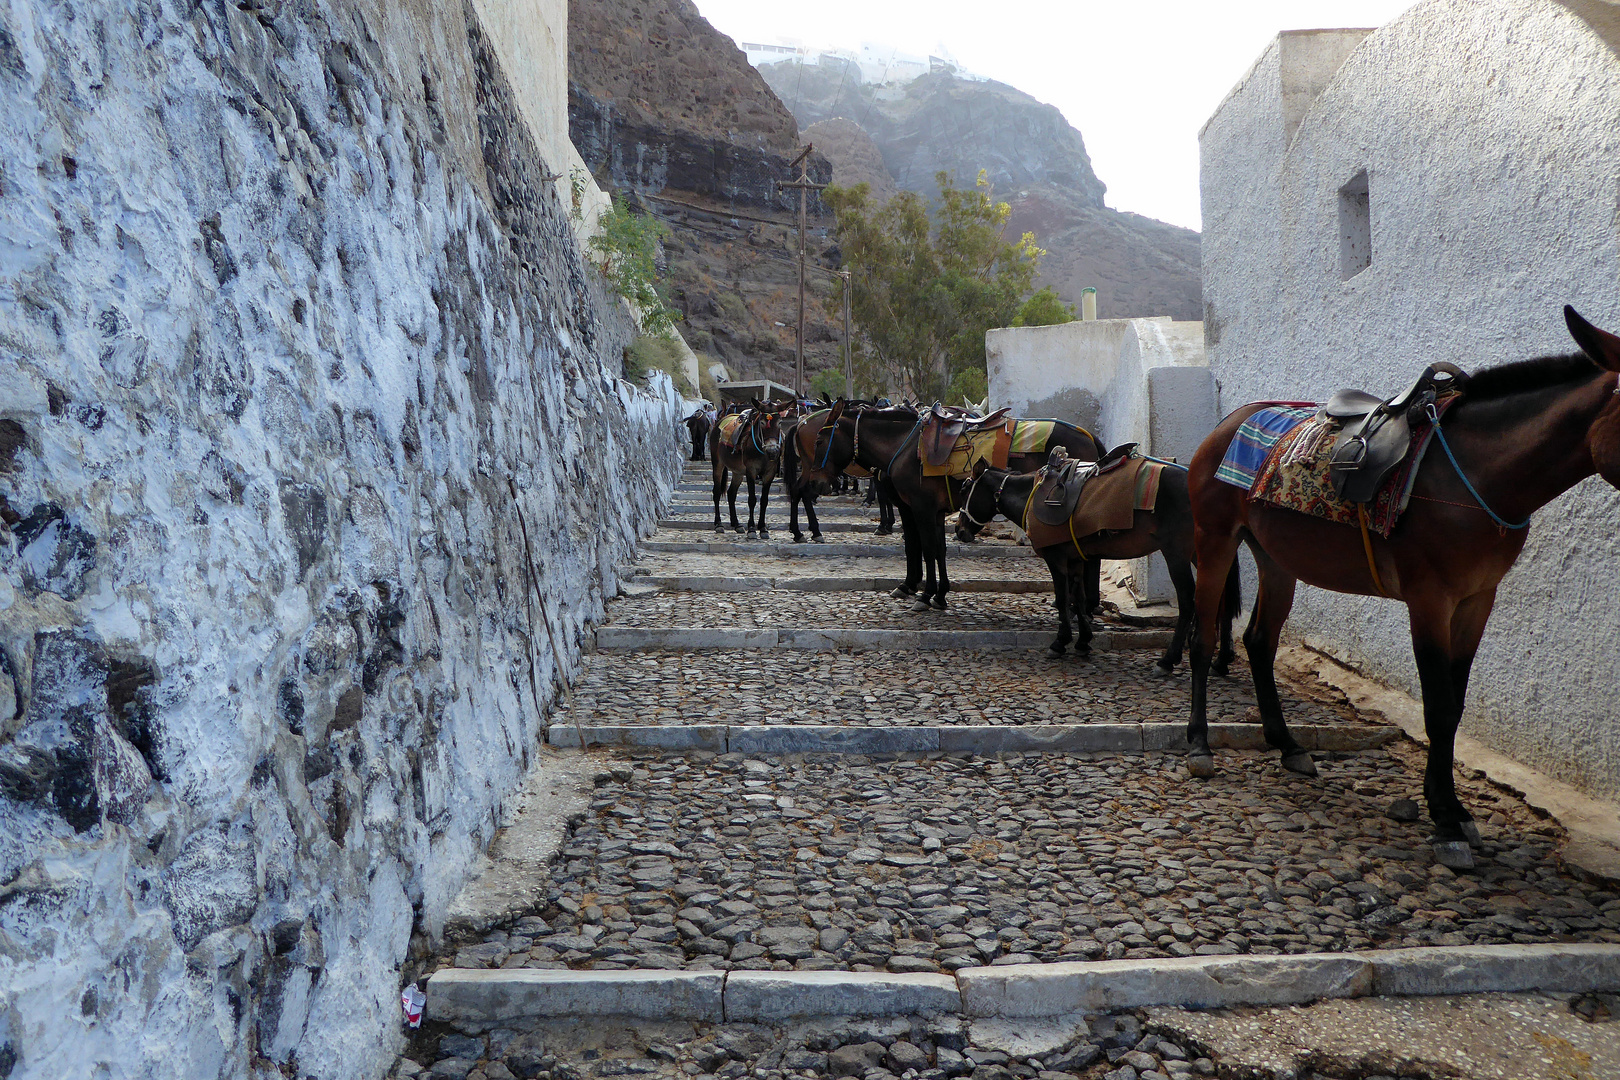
[(667, 111), (1033, 158)]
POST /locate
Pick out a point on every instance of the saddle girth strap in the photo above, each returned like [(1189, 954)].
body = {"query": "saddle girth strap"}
[(1366, 545)]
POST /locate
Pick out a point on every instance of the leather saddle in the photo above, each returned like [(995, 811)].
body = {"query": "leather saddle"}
[(944, 424), (1376, 433), (1063, 479)]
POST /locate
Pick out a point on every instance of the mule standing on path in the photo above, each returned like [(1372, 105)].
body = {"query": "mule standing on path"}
[(755, 452), (1520, 435)]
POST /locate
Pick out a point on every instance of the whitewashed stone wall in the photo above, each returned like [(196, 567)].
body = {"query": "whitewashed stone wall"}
[(314, 469), (1489, 131), (1125, 380)]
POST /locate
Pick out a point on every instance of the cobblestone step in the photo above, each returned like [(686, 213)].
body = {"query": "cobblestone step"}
[(954, 739), (789, 609), (834, 584), (824, 508), (773, 520), (478, 1000), (636, 638), (867, 547)]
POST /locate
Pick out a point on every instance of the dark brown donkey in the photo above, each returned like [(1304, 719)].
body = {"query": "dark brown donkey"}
[(886, 440), (1167, 529), (756, 453), (1520, 435)]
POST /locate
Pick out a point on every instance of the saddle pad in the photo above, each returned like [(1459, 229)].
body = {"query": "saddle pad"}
[(1030, 436), (990, 445), (1298, 476), (729, 427), (1108, 504), (1254, 439)]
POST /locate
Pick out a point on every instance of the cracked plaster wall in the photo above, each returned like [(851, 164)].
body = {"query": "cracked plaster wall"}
[(314, 470)]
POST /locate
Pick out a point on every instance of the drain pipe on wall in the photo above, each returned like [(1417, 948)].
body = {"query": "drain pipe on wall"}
[(1088, 304)]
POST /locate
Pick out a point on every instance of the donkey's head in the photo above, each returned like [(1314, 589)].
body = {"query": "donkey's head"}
[(979, 500), (1604, 436)]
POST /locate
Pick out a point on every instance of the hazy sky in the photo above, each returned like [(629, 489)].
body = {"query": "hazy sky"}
[(1138, 79)]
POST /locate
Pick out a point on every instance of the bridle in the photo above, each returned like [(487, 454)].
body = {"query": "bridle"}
[(753, 430), (829, 429), (967, 500)]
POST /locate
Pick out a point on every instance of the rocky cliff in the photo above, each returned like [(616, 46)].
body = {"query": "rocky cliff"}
[(314, 468), (667, 111), (1033, 158)]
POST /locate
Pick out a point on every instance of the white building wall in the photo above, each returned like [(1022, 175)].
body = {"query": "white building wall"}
[(1125, 380), (1490, 134)]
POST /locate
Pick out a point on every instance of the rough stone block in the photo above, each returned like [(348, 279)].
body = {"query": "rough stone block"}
[(476, 999), (1170, 736), (665, 737), (1471, 969), (851, 639), (631, 638), (829, 739), (1194, 982), (1071, 738), (785, 995), (982, 639)]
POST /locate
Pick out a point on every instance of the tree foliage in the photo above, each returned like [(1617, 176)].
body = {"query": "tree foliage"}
[(927, 287), (1044, 308), (626, 246)]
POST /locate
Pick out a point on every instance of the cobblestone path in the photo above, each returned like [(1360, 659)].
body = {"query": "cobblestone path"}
[(935, 862)]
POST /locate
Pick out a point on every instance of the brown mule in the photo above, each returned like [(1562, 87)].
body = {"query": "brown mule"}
[(756, 455), (1521, 435)]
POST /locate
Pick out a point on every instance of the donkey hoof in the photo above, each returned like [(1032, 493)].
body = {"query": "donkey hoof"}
[(1201, 766), (1299, 762), (919, 604), (816, 538), (1220, 669), (900, 592), (1453, 854), (1160, 671), (1470, 830), (798, 538), (938, 603), (763, 535), (1057, 651)]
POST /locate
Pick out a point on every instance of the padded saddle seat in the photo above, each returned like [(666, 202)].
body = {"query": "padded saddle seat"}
[(1063, 479), (1376, 433), (945, 424)]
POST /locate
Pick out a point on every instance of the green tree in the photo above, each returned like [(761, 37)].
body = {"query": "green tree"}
[(927, 287), (626, 245), (1044, 308)]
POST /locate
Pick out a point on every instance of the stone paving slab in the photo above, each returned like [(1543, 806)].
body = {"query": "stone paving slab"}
[(836, 564), (482, 998), (835, 584), (765, 996), (841, 862), (636, 638), (827, 524), (947, 687), (789, 609), (838, 546), (977, 739)]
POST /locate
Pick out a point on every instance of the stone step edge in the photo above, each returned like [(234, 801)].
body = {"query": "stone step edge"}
[(694, 524), (952, 739), (477, 999), (889, 550), (717, 584), (635, 638)]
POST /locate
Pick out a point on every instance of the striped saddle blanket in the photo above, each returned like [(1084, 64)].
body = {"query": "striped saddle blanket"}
[(992, 445)]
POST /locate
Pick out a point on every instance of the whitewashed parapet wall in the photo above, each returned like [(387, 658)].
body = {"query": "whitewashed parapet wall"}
[(1489, 131), (314, 469), (1126, 380)]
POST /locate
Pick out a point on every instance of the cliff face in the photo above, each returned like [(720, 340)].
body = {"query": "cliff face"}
[(309, 423), (667, 110), (1034, 159)]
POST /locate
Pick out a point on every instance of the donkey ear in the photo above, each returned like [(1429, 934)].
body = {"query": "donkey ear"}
[(757, 404), (1602, 346), (979, 467), (837, 411)]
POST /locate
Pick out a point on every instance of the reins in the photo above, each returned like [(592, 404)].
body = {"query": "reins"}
[(1501, 522)]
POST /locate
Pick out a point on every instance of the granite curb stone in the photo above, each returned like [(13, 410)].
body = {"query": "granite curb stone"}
[(780, 995), (472, 997), (629, 638)]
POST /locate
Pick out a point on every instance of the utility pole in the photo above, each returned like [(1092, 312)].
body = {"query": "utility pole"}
[(849, 345), (804, 186)]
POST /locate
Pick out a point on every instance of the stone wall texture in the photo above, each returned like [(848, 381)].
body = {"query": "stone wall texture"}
[(314, 469), (1489, 131)]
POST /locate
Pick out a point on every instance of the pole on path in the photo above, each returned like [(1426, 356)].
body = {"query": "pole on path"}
[(849, 347), (804, 186)]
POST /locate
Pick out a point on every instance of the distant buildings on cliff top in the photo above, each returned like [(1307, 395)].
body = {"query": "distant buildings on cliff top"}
[(877, 63)]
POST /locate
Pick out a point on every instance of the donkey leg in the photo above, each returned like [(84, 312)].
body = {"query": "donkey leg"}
[(719, 487), (810, 516), (751, 500), (764, 501), (913, 546), (1061, 599), (794, 499), (1271, 608), (1467, 627), (1181, 576), (924, 525), (1444, 640), (940, 550), (1215, 554)]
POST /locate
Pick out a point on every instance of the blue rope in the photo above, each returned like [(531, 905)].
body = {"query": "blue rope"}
[(753, 433), (1500, 522), (902, 446), (831, 430)]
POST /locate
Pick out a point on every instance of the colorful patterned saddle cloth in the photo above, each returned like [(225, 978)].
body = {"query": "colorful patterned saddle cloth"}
[(992, 445), (730, 426), (1282, 455)]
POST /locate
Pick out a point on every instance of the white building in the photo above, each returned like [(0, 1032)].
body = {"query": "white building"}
[(1437, 189), (878, 64)]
